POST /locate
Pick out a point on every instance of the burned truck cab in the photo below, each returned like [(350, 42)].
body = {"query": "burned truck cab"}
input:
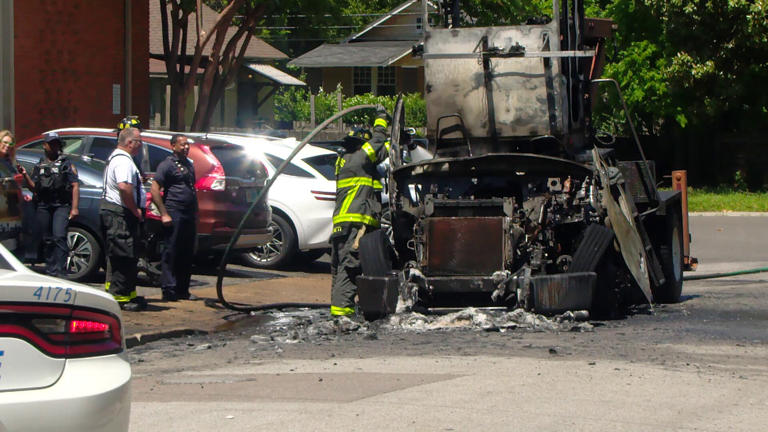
[(520, 206)]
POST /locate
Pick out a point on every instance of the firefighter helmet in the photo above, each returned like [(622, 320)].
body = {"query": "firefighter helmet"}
[(129, 122), (357, 137)]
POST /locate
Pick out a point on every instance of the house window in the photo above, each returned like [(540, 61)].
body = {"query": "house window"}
[(386, 85), (361, 80)]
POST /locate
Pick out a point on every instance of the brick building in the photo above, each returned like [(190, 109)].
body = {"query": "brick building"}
[(72, 62)]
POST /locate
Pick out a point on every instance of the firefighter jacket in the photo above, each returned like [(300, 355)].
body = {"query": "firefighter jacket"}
[(357, 183)]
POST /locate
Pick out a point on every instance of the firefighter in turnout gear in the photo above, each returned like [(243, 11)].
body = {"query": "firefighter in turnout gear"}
[(358, 208), (57, 194)]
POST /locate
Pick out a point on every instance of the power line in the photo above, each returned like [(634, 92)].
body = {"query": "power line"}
[(336, 16), (334, 27)]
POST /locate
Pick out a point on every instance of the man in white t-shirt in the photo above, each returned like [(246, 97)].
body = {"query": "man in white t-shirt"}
[(121, 214)]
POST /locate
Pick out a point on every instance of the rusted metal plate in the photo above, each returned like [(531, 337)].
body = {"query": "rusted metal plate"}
[(464, 245), (563, 292)]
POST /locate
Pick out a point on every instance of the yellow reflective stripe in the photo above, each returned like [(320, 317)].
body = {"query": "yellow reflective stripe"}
[(354, 181), (386, 144), (106, 286), (380, 122), (353, 217), (125, 299), (348, 200), (341, 311), (370, 152), (377, 185)]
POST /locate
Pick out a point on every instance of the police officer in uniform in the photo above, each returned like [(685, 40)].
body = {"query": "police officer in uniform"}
[(173, 192), (57, 195), (358, 208), (121, 212)]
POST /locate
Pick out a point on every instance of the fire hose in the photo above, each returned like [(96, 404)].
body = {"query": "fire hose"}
[(262, 195), (726, 274)]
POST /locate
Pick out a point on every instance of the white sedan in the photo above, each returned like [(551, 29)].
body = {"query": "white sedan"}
[(302, 199), (63, 362)]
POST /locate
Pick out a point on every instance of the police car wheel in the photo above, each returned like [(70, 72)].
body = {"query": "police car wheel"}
[(279, 252), (84, 255)]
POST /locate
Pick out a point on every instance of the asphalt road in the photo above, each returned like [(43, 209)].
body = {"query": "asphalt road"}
[(697, 365)]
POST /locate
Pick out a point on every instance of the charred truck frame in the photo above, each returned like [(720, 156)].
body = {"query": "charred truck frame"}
[(522, 205)]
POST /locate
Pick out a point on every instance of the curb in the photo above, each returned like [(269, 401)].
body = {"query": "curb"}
[(141, 339)]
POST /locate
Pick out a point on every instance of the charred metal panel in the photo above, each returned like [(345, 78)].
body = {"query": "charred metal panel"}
[(462, 284), (521, 102), (464, 245), (563, 292), (633, 173), (591, 249)]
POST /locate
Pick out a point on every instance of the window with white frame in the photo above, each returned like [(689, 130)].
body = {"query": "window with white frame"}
[(386, 84), (361, 80)]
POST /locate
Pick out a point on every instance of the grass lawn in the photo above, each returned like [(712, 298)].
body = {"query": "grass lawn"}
[(720, 199)]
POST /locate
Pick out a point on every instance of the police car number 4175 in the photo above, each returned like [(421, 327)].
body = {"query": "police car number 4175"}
[(54, 294)]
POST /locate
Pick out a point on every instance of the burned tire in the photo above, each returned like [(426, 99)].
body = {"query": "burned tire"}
[(280, 250), (670, 252), (611, 275), (375, 256)]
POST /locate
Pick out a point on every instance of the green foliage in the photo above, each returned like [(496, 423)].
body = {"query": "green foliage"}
[(739, 181), (696, 65), (293, 104), (366, 117), (503, 12)]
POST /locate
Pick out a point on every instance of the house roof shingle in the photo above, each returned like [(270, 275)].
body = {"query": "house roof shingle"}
[(257, 48), (363, 54)]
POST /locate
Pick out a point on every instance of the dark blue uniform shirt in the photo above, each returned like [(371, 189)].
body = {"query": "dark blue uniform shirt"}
[(177, 177)]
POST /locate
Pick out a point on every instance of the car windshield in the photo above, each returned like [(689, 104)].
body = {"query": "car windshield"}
[(324, 164), (237, 163), (290, 169)]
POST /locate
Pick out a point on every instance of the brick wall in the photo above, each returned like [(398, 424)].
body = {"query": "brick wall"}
[(68, 54)]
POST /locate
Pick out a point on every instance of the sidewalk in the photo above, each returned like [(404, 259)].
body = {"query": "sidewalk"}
[(173, 319)]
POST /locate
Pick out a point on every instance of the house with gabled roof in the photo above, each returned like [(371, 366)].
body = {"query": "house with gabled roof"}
[(375, 60), (246, 104)]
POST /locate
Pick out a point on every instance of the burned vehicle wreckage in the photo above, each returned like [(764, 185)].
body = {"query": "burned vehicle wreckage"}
[(522, 205)]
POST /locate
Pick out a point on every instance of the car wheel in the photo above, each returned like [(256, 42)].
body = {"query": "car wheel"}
[(84, 255), (671, 256), (279, 252)]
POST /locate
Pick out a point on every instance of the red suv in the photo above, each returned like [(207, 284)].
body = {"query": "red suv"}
[(228, 181)]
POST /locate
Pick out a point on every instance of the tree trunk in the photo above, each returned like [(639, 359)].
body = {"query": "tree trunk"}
[(220, 68)]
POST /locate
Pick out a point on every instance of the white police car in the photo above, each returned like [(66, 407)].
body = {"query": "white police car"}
[(63, 363)]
